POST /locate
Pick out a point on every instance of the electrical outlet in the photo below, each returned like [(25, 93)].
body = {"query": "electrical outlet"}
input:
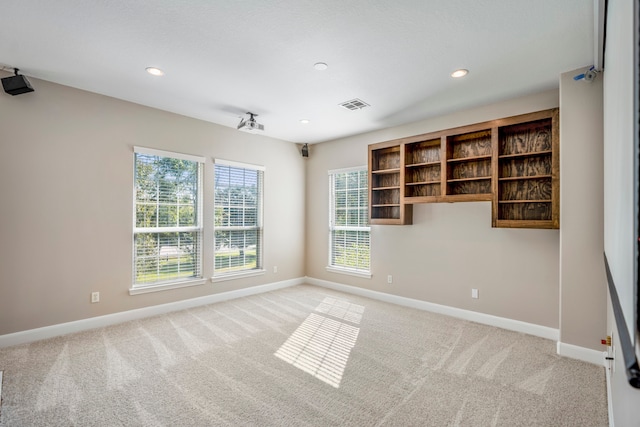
[(389, 279), (612, 352), (95, 297), (474, 293), (275, 268)]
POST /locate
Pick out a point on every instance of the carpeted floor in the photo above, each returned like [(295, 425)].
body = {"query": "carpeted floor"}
[(301, 356)]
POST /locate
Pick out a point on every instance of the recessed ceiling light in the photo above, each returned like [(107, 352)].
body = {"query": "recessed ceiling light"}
[(459, 73), (305, 121), (155, 71), (320, 66)]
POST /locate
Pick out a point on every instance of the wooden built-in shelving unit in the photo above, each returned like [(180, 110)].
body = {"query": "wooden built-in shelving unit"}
[(422, 170), (385, 196), (527, 190), (469, 166), (511, 162)]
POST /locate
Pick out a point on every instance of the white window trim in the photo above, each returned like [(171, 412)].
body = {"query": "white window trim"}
[(239, 275), (162, 153), (166, 286), (178, 283), (239, 164), (346, 270), (346, 170), (231, 275), (349, 271)]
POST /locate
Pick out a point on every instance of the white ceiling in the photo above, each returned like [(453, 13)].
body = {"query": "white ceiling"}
[(223, 58)]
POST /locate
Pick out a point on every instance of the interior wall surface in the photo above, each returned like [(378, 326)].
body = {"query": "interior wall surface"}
[(583, 288), (66, 164), (619, 239), (450, 248)]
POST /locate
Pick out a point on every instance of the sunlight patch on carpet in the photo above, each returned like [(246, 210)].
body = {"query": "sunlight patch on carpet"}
[(321, 347), (341, 309)]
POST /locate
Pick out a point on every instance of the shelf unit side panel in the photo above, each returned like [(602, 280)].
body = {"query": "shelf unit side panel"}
[(555, 168), (494, 175)]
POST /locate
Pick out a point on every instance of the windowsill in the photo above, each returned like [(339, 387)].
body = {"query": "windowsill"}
[(349, 272), (166, 286), (240, 275)]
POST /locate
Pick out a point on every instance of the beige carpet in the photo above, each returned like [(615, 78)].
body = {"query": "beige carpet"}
[(301, 356)]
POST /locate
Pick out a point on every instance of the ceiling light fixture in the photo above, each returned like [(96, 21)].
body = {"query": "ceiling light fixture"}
[(250, 125), (305, 121), (320, 66), (459, 73), (155, 71)]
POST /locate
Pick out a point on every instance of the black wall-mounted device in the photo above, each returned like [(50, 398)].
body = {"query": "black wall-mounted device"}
[(16, 85)]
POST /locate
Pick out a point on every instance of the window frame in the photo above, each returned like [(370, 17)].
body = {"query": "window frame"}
[(353, 271), (172, 283), (259, 228)]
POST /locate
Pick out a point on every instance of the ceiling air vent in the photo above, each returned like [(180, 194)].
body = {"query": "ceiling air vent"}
[(354, 104)]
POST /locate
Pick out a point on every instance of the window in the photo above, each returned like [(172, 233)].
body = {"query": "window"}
[(237, 218), (349, 229), (167, 230)]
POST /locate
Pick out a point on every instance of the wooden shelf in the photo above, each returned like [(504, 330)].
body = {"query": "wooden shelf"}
[(386, 177), (395, 187), (386, 171), (422, 183), (477, 178), (516, 178), (475, 197), (502, 223), (469, 159), (535, 153), (526, 187), (468, 166), (526, 201), (415, 165), (512, 162)]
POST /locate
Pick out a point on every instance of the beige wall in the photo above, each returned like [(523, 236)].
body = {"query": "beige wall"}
[(450, 248), (582, 277), (66, 166)]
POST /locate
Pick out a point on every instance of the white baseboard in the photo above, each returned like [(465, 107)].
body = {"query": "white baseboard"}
[(607, 370), (125, 316), (568, 350), (563, 349), (581, 353), (487, 319)]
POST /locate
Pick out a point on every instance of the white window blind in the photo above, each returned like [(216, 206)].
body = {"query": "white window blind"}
[(167, 219), (349, 231), (237, 217)]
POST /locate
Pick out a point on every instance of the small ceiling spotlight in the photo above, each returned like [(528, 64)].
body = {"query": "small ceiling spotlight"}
[(459, 73), (250, 125), (155, 71), (16, 84), (305, 150), (320, 66), (305, 121)]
